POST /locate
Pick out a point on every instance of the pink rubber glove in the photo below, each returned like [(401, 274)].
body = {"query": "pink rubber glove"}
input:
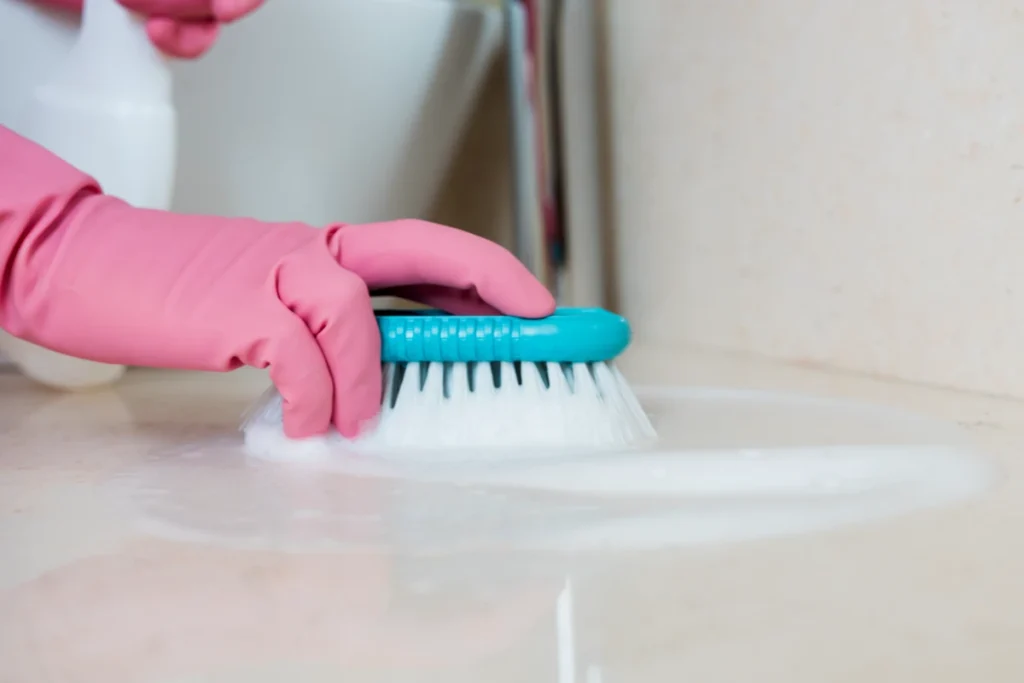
[(180, 28), (88, 275)]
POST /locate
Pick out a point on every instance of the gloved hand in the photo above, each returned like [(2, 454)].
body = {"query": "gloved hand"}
[(88, 275), (180, 28)]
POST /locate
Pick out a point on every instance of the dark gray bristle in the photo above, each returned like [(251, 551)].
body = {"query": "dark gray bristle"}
[(543, 369), (565, 376)]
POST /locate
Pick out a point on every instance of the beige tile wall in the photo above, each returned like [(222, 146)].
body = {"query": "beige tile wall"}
[(835, 182)]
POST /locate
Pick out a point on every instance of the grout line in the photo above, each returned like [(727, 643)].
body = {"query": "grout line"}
[(566, 638)]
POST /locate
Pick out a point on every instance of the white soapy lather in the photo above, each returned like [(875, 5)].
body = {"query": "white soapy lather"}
[(430, 408)]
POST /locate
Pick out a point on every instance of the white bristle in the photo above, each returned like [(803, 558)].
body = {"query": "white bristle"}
[(457, 406)]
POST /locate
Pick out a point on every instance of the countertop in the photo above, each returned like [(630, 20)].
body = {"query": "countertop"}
[(87, 595)]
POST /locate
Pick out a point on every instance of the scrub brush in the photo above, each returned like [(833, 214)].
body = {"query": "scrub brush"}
[(486, 382)]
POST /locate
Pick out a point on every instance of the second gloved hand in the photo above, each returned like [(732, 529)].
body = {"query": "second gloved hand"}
[(90, 276), (180, 28)]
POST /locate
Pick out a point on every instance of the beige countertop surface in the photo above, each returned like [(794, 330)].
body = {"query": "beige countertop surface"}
[(87, 594)]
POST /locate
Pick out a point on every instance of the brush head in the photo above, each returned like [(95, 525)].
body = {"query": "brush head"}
[(458, 384), (451, 408)]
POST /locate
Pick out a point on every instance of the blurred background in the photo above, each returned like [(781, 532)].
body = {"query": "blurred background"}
[(829, 183), (836, 184)]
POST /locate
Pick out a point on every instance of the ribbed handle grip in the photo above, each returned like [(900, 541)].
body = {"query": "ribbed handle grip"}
[(570, 335)]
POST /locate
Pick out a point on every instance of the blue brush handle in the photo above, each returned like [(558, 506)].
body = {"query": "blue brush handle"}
[(570, 335)]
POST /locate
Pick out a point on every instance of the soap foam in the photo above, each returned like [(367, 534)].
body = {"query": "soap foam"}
[(730, 466)]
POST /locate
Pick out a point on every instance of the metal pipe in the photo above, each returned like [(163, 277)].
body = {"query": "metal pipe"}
[(535, 211), (555, 142)]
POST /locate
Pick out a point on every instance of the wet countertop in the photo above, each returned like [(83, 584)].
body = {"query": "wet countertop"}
[(89, 594)]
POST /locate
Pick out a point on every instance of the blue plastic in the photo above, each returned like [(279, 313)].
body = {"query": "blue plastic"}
[(570, 335)]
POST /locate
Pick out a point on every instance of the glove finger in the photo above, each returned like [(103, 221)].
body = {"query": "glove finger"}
[(222, 11), (227, 11), (335, 306), (411, 252), (455, 301), (182, 39), (296, 367)]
